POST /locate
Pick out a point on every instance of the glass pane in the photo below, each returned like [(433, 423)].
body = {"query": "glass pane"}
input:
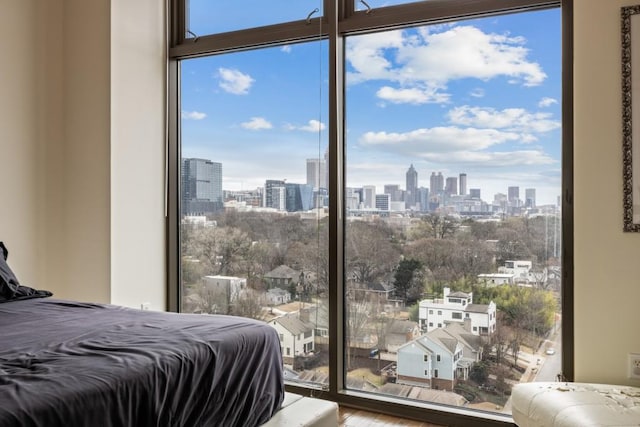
[(254, 198), (374, 4), (452, 202), (219, 16)]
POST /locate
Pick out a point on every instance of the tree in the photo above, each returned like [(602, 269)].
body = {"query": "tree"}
[(403, 276), (435, 226), (369, 252)]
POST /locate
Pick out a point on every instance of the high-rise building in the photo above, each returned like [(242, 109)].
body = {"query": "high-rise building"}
[(463, 184), (397, 195), (299, 197), (513, 195), (451, 187), (316, 173), (436, 184), (369, 196), (530, 197), (383, 202), (474, 193), (412, 186), (274, 194), (423, 199), (201, 186)]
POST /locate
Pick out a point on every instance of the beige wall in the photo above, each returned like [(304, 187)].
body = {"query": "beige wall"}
[(83, 147), (607, 261), (81, 119)]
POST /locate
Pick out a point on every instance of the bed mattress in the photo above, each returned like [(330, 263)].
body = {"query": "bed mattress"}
[(65, 363)]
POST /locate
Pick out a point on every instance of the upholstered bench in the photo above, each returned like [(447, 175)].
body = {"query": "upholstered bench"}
[(555, 404), (302, 411)]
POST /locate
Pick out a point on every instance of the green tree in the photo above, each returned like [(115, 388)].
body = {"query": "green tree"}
[(404, 274)]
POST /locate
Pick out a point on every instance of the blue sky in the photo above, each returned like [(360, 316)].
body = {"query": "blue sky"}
[(480, 97)]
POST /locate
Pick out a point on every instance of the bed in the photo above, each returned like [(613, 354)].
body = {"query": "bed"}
[(65, 363)]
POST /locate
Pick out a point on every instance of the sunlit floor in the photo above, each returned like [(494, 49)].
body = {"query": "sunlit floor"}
[(357, 418)]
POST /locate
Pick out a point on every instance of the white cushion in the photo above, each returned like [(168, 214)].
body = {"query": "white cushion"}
[(555, 404), (302, 411)]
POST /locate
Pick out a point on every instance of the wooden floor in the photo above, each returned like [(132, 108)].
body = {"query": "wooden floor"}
[(349, 417)]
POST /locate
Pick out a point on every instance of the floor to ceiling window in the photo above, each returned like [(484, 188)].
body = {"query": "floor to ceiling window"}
[(381, 183)]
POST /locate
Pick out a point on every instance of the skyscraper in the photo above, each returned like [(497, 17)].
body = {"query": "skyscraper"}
[(514, 197), (369, 196), (463, 184), (436, 183), (274, 194), (451, 187), (316, 173), (201, 186), (412, 187), (530, 197), (299, 197)]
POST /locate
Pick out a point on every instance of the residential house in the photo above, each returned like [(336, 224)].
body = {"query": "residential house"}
[(398, 333), (457, 307), (439, 358), (296, 334), (277, 296), (283, 277)]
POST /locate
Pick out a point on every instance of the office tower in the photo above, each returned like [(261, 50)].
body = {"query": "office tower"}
[(423, 199), (316, 173), (395, 192), (274, 194), (451, 187), (412, 186), (299, 197), (530, 197), (383, 202), (514, 195), (436, 184), (201, 186), (352, 198), (474, 193), (463, 184), (369, 196)]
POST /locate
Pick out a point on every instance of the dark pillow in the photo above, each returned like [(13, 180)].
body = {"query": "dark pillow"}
[(8, 281), (10, 288)]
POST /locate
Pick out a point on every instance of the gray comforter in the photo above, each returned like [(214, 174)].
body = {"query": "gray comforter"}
[(65, 363)]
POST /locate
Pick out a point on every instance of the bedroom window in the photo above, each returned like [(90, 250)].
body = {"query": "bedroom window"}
[(345, 173)]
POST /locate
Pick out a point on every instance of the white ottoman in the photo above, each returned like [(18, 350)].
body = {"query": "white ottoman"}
[(299, 411), (556, 404)]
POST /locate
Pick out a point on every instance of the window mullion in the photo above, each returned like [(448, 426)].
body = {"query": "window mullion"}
[(336, 211)]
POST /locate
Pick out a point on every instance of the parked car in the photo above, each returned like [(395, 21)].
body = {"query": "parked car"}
[(550, 352)]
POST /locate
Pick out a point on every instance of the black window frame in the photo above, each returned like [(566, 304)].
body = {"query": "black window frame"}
[(338, 19)]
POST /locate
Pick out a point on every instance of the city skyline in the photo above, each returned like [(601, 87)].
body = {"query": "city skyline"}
[(413, 96)]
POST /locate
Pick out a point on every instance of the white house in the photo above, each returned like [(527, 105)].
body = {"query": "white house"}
[(520, 270), (230, 286), (457, 307), (496, 279), (296, 335), (277, 296), (439, 358), (429, 361)]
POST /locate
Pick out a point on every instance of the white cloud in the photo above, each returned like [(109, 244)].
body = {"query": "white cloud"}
[(286, 48), (500, 159), (235, 81), (412, 95), (511, 119), (547, 102), (311, 126), (193, 115), (477, 93), (429, 60), (257, 123), (438, 140)]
